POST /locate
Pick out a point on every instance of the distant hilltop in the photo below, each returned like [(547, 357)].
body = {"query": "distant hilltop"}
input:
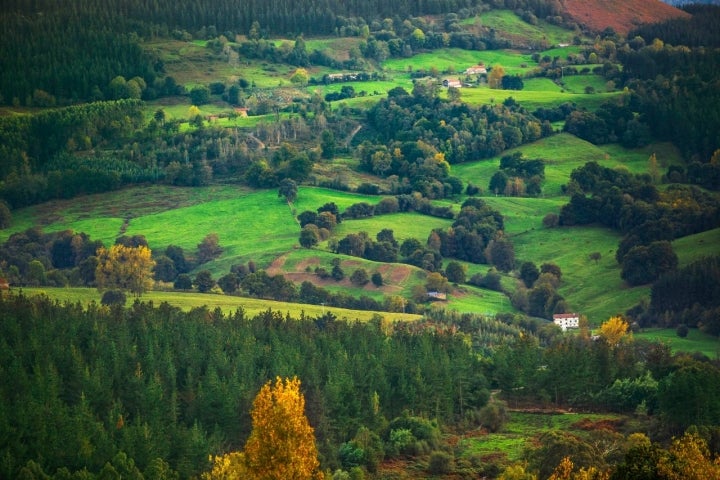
[(680, 3), (621, 15)]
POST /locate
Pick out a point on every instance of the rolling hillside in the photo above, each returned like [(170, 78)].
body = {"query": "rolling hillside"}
[(621, 16)]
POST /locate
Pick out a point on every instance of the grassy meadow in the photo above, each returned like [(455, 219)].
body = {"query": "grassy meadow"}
[(227, 303), (522, 431), (696, 341)]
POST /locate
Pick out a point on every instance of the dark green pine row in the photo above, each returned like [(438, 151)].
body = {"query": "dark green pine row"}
[(78, 386)]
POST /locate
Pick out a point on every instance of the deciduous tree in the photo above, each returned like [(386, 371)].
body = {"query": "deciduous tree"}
[(127, 268), (613, 330), (282, 442), (209, 248)]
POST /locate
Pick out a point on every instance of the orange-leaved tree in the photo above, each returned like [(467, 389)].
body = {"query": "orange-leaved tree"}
[(282, 442)]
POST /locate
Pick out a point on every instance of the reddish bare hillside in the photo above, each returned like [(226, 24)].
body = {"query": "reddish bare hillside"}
[(621, 15)]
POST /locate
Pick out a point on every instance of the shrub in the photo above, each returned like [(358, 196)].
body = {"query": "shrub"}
[(113, 297), (359, 277), (440, 463), (682, 330), (183, 282)]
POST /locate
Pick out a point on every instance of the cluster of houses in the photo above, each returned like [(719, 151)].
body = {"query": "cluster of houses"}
[(478, 69)]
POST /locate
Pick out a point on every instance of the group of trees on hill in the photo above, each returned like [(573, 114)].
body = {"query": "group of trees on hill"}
[(687, 296), (648, 218)]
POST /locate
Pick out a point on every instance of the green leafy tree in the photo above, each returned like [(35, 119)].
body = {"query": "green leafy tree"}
[(309, 236), (327, 144), (200, 95), (288, 189), (204, 281), (359, 277), (529, 273), (209, 248), (456, 272), (5, 215), (183, 282)]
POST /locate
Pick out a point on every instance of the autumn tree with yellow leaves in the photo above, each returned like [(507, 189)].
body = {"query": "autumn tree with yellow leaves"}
[(125, 268), (614, 330), (282, 442)]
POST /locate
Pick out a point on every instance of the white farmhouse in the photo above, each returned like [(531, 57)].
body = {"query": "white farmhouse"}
[(567, 320)]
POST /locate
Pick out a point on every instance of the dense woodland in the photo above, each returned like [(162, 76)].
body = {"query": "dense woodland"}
[(149, 391), (153, 391)]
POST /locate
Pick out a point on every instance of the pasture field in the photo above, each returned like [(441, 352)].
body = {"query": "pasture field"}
[(579, 83), (404, 226), (564, 153), (311, 198), (696, 341), (522, 431), (695, 247), (336, 48), (532, 99), (593, 289), (226, 303), (541, 84), (514, 27), (456, 60)]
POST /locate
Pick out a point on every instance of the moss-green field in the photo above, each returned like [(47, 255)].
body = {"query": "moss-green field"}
[(522, 430), (226, 303), (696, 341)]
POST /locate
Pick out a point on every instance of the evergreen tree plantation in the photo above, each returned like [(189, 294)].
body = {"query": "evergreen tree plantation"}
[(305, 240)]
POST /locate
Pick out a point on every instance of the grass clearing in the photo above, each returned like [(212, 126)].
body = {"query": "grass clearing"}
[(226, 303), (532, 100), (696, 341), (457, 60), (520, 432), (695, 247), (515, 28), (403, 225), (581, 83), (593, 289)]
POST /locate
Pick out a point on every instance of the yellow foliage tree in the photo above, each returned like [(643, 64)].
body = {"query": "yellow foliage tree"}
[(517, 472), (282, 442), (495, 76), (563, 471), (230, 466), (614, 330), (689, 459), (126, 268)]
